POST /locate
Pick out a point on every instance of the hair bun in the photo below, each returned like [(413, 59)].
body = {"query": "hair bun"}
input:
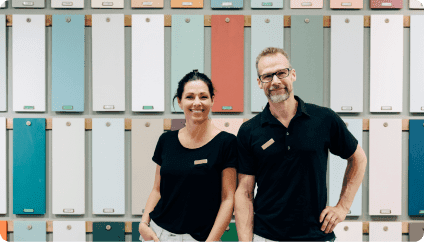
[(196, 71)]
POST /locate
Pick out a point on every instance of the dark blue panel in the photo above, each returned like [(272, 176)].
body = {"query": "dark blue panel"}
[(416, 168), (29, 166)]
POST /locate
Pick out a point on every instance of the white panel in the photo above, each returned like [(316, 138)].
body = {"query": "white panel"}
[(3, 181), (416, 64), (385, 231), (145, 134), (338, 169), (349, 231), (108, 62), (385, 167), (107, 3), (231, 126), (67, 3), (148, 63), (3, 100), (3, 5), (386, 63), (108, 162), (347, 55), (68, 166), (69, 231), (29, 56)]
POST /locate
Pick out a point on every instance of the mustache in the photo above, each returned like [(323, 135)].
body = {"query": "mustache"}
[(275, 88)]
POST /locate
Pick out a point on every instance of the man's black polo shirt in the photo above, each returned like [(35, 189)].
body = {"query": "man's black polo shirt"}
[(290, 166)]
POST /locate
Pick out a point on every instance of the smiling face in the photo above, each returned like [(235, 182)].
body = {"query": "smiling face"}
[(277, 90), (196, 101)]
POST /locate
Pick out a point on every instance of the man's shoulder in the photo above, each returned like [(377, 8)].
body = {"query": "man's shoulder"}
[(319, 111), (251, 124)]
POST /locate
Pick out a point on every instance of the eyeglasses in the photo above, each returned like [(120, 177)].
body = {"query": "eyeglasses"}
[(265, 78)]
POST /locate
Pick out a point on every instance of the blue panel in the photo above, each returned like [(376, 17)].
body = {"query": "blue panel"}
[(416, 168), (68, 63), (227, 3), (188, 49), (266, 3), (29, 231), (29, 166)]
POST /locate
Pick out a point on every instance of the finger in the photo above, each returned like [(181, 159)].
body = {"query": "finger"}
[(327, 219), (323, 213), (331, 224), (334, 225)]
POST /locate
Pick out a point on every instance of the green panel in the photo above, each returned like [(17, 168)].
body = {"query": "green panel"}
[(231, 234), (135, 233), (307, 57), (115, 233)]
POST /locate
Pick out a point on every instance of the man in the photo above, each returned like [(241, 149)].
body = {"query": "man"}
[(284, 150)]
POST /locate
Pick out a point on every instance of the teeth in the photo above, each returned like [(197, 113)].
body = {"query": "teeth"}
[(197, 111)]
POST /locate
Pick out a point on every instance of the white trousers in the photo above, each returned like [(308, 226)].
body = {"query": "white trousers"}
[(165, 235), (257, 238)]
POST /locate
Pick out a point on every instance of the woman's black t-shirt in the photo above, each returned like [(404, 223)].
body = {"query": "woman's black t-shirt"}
[(190, 185)]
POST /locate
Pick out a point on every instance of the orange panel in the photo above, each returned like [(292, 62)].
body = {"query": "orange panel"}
[(228, 62), (342, 4), (3, 230), (147, 3), (186, 3)]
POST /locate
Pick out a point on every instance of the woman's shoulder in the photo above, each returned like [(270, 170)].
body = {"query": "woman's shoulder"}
[(226, 137)]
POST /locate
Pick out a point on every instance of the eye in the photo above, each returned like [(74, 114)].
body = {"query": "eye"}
[(189, 97), (204, 97)]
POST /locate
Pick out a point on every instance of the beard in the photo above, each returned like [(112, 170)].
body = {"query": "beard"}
[(277, 98)]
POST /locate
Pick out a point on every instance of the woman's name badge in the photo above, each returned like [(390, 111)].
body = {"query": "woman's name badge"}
[(197, 162)]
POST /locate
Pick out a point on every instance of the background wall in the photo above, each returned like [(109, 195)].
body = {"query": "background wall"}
[(167, 114)]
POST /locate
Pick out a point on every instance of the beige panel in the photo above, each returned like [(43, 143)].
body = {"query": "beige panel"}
[(231, 125)]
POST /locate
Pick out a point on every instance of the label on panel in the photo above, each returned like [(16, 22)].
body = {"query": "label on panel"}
[(347, 61), (386, 4), (3, 230), (307, 53), (186, 4), (148, 63), (415, 168), (338, 168), (68, 42), (416, 61), (145, 134), (108, 166), (146, 4), (108, 62), (416, 231), (385, 231), (386, 77), (3, 81), (227, 3), (187, 51), (228, 50), (266, 3), (348, 231), (69, 231), (230, 233), (385, 166), (271, 26), (29, 166), (3, 172), (107, 4), (68, 181), (108, 231), (346, 4), (231, 126), (67, 4), (306, 4), (27, 4), (29, 230), (29, 56)]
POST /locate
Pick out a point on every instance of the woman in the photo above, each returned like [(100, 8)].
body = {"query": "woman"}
[(193, 193)]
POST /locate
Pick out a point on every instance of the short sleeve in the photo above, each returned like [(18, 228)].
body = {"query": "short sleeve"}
[(342, 142), (245, 155), (157, 155), (230, 153)]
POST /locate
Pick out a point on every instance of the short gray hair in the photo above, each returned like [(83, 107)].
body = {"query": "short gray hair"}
[(271, 51)]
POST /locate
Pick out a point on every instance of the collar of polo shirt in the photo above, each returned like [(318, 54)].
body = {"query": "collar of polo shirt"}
[(266, 116)]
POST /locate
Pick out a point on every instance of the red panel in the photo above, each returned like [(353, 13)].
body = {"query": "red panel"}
[(228, 62), (386, 4), (3, 230)]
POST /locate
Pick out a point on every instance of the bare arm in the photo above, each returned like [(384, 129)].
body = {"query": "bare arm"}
[(229, 176), (153, 199), (244, 207)]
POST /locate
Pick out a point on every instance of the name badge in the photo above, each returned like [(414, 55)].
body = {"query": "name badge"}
[(267, 144), (198, 162)]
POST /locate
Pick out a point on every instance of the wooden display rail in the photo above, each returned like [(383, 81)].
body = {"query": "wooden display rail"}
[(247, 21), (128, 226)]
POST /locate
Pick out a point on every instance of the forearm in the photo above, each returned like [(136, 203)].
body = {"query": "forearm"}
[(222, 220), (150, 205), (244, 215)]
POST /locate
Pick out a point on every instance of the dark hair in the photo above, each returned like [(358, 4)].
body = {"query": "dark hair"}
[(193, 76)]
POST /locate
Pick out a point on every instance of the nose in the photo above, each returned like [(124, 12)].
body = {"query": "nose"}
[(196, 101), (275, 80)]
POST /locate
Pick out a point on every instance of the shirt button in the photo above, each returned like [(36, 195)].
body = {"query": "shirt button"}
[(288, 148), (287, 133)]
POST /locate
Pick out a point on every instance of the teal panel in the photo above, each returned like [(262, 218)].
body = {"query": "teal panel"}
[(68, 63), (29, 231), (231, 233), (266, 3), (307, 57), (267, 31), (101, 231), (416, 168), (227, 3), (29, 166), (187, 51), (135, 232)]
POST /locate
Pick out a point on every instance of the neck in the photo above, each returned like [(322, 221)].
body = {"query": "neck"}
[(198, 130), (284, 110)]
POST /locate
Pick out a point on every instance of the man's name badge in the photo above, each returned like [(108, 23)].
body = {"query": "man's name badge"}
[(198, 162), (267, 144)]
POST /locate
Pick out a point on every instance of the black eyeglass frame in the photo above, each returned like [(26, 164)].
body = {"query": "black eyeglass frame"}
[(275, 73)]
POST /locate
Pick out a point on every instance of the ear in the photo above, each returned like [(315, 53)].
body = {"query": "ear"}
[(179, 102), (293, 74)]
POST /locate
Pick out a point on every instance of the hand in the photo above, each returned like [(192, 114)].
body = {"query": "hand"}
[(147, 233), (333, 216)]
